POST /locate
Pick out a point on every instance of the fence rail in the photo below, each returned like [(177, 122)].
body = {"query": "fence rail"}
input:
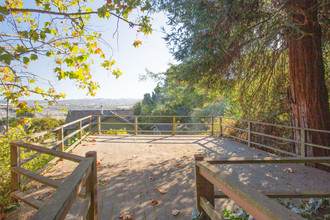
[(85, 174), (208, 176)]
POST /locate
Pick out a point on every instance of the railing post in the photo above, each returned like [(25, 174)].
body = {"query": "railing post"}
[(249, 134), (203, 187), (98, 125), (302, 142), (220, 123), (212, 119), (61, 144), (90, 124), (80, 131), (14, 182), (135, 125), (173, 131), (91, 187)]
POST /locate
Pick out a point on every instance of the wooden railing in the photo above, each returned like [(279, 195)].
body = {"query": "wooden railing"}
[(85, 174), (221, 126), (208, 176)]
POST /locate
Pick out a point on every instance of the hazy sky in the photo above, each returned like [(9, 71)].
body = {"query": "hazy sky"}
[(152, 55)]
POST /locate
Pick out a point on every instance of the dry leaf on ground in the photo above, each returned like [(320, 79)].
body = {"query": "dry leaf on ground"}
[(288, 170), (151, 178), (161, 191), (3, 216), (98, 164), (126, 216), (50, 193), (175, 212), (155, 202), (103, 181), (38, 197), (67, 171)]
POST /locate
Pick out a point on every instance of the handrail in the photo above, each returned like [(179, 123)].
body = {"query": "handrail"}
[(208, 176), (58, 205)]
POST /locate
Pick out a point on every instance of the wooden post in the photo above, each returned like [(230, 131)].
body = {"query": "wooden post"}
[(203, 187), (91, 187), (173, 131), (90, 124), (98, 125), (220, 123), (212, 119), (61, 144), (135, 125), (80, 131), (249, 134), (14, 183), (302, 142)]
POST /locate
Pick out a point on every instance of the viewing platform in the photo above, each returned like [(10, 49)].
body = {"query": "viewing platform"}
[(133, 171)]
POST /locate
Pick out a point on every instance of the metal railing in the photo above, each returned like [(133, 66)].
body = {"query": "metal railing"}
[(255, 202)]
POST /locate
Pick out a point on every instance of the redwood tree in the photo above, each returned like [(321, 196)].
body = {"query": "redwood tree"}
[(225, 43), (309, 94)]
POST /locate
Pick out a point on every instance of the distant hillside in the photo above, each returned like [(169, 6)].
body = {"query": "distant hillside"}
[(122, 101)]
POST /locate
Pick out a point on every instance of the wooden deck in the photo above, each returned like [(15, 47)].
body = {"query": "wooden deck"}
[(133, 168)]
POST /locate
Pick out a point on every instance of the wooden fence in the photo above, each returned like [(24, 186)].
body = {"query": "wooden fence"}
[(57, 206), (208, 176), (85, 174)]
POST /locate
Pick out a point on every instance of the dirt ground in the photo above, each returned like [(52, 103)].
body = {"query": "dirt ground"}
[(134, 170)]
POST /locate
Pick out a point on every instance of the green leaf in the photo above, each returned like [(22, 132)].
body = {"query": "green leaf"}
[(4, 10), (33, 57), (26, 60), (7, 58)]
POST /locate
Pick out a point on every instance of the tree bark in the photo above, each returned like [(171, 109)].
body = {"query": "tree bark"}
[(309, 94)]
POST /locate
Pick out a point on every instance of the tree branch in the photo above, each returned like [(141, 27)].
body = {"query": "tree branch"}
[(67, 14)]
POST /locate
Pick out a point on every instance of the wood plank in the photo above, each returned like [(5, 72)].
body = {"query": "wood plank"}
[(44, 150), (60, 202), (36, 177), (26, 199), (258, 205), (210, 210), (284, 194), (264, 160)]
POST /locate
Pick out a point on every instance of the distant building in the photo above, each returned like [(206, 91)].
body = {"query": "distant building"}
[(128, 122)]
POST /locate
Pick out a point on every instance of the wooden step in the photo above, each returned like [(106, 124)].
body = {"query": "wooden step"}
[(27, 199)]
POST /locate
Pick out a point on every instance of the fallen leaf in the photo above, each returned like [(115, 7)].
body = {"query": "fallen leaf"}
[(103, 181), (38, 197), (58, 178), (67, 171), (39, 185), (134, 156), (3, 216), (98, 164), (150, 145), (288, 170), (175, 212), (126, 216), (50, 193), (161, 191), (151, 178), (155, 202), (84, 144), (178, 165)]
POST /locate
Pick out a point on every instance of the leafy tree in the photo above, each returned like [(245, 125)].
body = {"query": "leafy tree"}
[(60, 31), (44, 124), (225, 43)]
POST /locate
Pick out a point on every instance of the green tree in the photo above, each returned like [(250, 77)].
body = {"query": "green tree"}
[(225, 43), (57, 30)]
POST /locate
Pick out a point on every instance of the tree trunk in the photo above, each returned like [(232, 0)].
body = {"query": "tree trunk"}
[(309, 95)]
